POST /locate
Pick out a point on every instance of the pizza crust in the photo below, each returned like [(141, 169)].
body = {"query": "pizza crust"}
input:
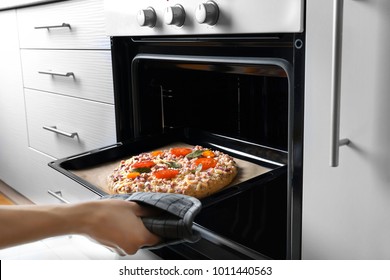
[(191, 180)]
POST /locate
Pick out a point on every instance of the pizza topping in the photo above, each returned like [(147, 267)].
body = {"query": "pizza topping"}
[(173, 164), (142, 170), (132, 175), (156, 153), (180, 151), (143, 164), (194, 154), (206, 163), (198, 168), (166, 173), (208, 153)]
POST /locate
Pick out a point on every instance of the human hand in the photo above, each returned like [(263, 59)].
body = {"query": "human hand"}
[(116, 224)]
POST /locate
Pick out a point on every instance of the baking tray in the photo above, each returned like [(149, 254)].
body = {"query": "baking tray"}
[(256, 163)]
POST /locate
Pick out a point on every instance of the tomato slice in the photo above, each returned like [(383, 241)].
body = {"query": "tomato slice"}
[(206, 163), (166, 173), (143, 164), (180, 151)]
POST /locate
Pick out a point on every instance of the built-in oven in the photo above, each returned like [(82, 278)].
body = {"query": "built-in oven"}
[(224, 74)]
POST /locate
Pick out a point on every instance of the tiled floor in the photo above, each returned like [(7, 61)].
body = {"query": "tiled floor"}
[(73, 247)]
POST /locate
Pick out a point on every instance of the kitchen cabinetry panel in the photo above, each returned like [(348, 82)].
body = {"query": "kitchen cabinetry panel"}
[(92, 121), (41, 26), (13, 131), (88, 73), (346, 208)]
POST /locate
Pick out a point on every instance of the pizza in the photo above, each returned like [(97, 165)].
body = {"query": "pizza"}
[(194, 171)]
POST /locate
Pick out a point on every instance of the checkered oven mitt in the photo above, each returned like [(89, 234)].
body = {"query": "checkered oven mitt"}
[(174, 225)]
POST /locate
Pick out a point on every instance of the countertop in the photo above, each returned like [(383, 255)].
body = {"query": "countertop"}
[(10, 4)]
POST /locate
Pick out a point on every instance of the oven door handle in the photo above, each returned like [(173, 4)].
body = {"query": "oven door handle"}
[(335, 141)]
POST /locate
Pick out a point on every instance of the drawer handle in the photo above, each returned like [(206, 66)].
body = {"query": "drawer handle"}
[(55, 130), (67, 74), (64, 25), (58, 195)]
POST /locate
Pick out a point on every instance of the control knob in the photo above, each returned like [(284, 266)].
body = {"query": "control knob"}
[(207, 13), (147, 17), (175, 15)]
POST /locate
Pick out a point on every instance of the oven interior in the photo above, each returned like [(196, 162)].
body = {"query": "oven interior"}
[(243, 101)]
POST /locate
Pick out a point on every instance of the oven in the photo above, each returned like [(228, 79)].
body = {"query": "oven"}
[(224, 74)]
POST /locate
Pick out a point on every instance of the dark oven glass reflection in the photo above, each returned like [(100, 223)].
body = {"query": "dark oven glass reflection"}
[(245, 101)]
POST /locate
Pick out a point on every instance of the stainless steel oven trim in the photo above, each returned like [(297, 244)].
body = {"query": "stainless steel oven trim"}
[(283, 64)]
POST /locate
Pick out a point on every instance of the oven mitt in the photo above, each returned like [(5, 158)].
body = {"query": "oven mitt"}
[(174, 224)]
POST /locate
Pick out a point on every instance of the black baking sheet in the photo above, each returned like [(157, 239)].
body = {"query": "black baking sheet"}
[(255, 162)]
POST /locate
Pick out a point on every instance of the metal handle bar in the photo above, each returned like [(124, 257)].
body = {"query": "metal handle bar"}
[(67, 74), (335, 141), (63, 25), (55, 130), (58, 195)]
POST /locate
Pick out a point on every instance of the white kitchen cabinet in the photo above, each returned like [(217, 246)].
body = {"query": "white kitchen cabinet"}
[(13, 130), (346, 208), (81, 102)]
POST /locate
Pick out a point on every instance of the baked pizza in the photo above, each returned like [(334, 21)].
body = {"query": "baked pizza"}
[(195, 171)]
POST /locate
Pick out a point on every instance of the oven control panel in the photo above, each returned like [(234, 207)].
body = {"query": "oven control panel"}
[(197, 17)]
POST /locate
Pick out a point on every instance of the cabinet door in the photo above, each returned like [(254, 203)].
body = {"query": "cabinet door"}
[(13, 130), (346, 208)]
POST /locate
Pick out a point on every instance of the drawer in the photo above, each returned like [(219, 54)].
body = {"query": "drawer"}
[(89, 74), (61, 126), (44, 179), (84, 26)]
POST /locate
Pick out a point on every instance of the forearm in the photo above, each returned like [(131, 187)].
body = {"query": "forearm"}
[(21, 224), (114, 223)]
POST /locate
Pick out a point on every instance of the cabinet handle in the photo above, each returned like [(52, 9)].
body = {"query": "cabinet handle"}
[(48, 27), (58, 195), (67, 74), (55, 130), (335, 141)]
